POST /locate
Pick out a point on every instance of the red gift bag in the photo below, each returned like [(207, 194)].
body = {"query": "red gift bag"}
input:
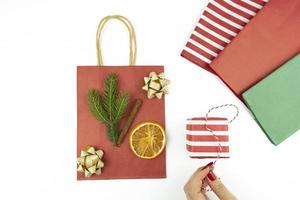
[(120, 162)]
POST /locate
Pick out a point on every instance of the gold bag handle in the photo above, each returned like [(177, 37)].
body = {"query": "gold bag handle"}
[(132, 38)]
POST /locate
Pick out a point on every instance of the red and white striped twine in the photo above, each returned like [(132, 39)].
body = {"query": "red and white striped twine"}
[(229, 121), (207, 188)]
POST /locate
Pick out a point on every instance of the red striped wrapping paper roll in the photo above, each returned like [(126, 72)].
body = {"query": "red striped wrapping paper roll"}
[(201, 143), (220, 22)]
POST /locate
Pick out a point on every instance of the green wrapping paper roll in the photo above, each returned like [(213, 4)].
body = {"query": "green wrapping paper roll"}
[(275, 101)]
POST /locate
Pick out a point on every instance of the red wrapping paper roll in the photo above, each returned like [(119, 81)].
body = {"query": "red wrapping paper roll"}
[(269, 40), (220, 22)]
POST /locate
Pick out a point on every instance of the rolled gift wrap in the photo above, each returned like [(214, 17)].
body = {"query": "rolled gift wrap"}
[(201, 143)]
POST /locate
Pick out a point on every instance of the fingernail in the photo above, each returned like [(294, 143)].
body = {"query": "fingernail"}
[(208, 165), (211, 176)]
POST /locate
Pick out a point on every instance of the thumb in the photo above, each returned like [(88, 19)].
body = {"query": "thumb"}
[(202, 172), (218, 187)]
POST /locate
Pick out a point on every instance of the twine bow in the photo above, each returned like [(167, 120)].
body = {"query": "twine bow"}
[(90, 161)]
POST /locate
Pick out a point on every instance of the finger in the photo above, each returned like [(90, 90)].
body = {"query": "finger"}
[(218, 187), (204, 183), (205, 196), (202, 172), (194, 184), (205, 187)]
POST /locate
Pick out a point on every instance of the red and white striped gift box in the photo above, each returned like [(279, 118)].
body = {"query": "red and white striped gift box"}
[(201, 143), (220, 22)]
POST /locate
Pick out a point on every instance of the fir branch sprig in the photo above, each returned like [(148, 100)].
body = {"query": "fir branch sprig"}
[(96, 108), (109, 109), (120, 106), (109, 96)]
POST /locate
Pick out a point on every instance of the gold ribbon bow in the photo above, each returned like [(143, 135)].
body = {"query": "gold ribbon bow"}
[(156, 85), (90, 161)]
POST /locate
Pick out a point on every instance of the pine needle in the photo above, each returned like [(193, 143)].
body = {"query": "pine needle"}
[(111, 109), (109, 96), (95, 106), (120, 106)]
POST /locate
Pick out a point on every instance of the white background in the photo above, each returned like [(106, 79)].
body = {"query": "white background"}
[(42, 42)]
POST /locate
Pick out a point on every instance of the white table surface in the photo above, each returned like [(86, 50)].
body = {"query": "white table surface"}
[(42, 42)]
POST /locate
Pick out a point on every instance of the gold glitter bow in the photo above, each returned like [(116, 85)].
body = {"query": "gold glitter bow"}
[(90, 161), (156, 85)]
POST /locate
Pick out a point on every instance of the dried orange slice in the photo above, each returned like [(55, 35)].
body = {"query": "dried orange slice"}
[(147, 140)]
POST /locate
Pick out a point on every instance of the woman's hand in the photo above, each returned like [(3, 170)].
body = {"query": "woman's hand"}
[(199, 180), (193, 188)]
